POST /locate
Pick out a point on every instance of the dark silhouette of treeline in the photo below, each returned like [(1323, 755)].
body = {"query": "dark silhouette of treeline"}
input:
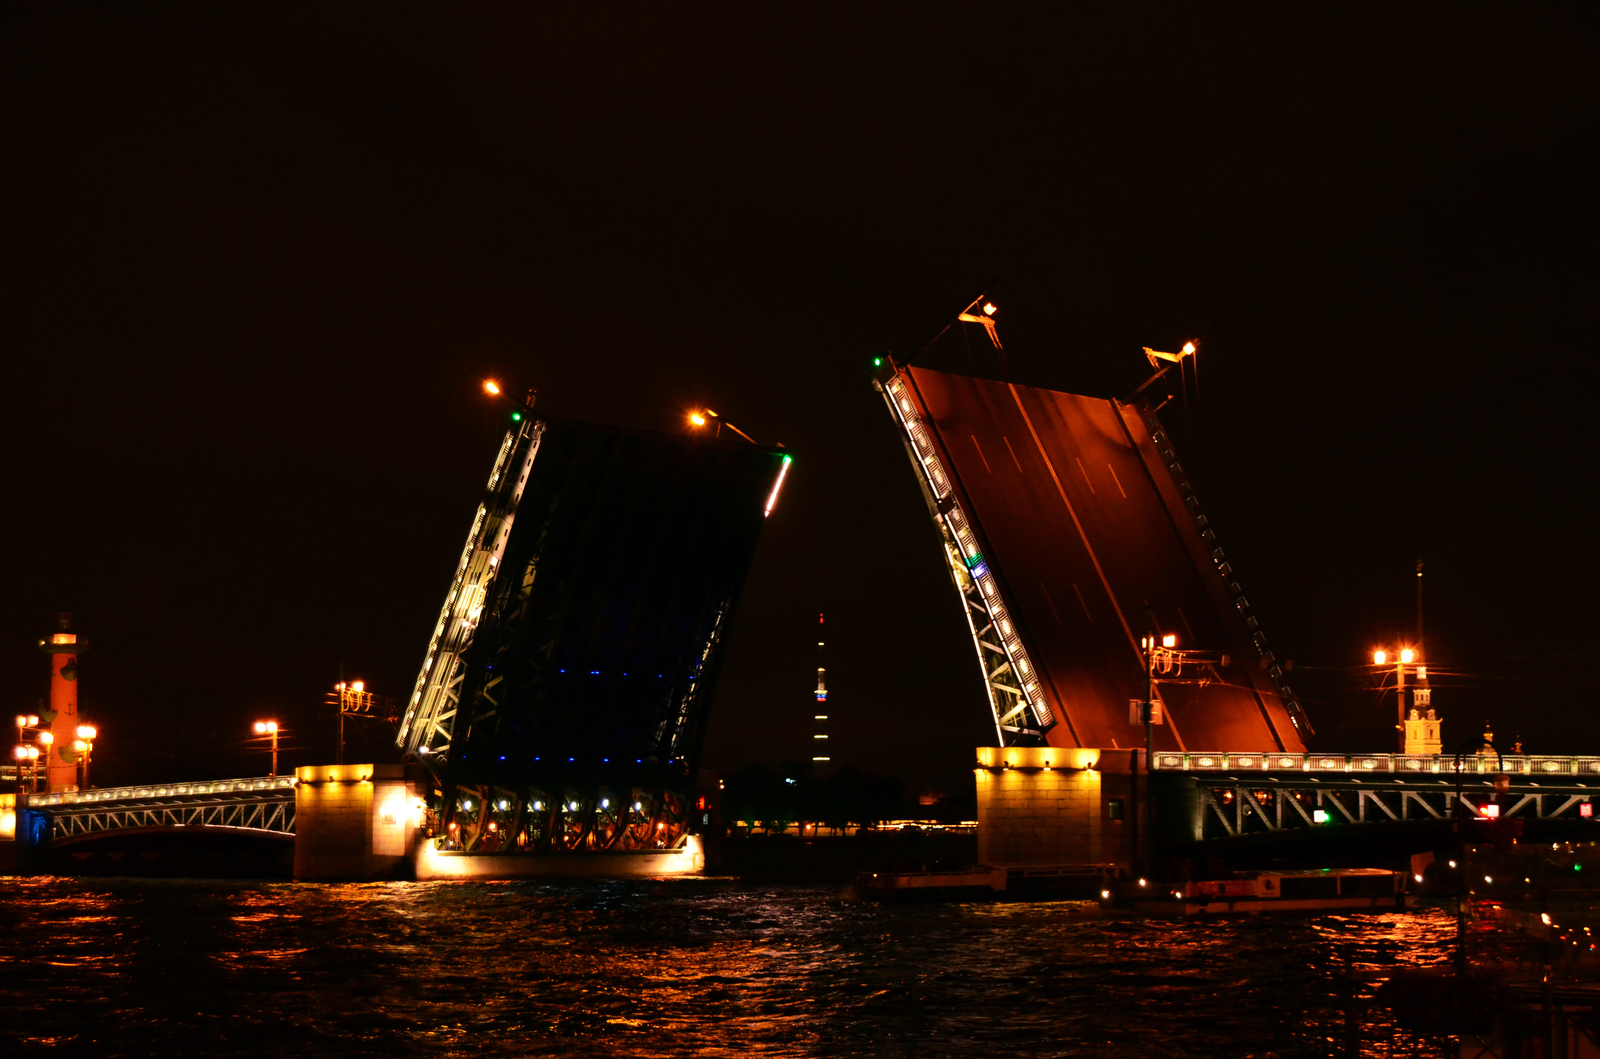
[(771, 799)]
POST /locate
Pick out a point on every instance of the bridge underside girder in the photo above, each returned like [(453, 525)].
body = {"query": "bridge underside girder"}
[(1292, 812)]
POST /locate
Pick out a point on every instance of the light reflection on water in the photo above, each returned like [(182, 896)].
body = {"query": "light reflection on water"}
[(662, 968)]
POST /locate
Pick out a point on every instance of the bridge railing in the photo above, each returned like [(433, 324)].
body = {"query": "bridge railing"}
[(1380, 764), (145, 792), (262, 804)]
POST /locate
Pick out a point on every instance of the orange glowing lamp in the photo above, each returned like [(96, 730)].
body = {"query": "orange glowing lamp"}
[(491, 387)]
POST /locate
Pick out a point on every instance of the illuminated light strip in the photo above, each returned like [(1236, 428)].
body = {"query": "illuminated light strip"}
[(782, 472), (922, 449)]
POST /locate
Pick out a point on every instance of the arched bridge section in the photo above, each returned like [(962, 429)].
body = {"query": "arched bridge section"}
[(1061, 515)]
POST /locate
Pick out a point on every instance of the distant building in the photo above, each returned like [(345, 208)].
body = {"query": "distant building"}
[(819, 738)]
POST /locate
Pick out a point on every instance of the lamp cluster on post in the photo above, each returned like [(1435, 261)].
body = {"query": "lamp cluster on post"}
[(31, 753), (270, 729), (1418, 727), (81, 751)]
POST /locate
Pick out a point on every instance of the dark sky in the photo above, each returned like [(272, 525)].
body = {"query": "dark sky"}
[(257, 259)]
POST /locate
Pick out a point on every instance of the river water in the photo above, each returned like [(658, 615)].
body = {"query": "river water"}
[(691, 967)]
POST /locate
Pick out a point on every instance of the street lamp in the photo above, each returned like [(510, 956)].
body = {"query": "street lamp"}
[(83, 748), (701, 417), (270, 728), (27, 758), (1403, 658)]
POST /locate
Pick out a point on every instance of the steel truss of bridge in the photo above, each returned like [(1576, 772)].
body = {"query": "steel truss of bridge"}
[(1243, 794), (259, 804)]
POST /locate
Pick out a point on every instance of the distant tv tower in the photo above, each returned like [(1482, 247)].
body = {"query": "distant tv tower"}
[(820, 736)]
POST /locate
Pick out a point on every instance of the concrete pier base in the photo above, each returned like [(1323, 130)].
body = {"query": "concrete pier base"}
[(1058, 806), (355, 822)]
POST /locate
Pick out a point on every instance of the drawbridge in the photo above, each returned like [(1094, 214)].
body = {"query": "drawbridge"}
[(1062, 518), (566, 688)]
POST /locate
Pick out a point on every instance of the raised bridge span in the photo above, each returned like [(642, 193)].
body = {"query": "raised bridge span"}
[(1062, 517)]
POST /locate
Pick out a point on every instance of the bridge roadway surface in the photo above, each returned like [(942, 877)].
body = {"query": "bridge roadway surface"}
[(1080, 513)]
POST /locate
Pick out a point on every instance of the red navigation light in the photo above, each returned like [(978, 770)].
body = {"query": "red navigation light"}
[(1492, 811), (1586, 810)]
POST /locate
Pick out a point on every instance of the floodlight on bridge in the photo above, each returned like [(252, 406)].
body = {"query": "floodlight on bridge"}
[(491, 387)]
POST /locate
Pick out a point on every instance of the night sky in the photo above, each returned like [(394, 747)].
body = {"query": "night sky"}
[(257, 260)]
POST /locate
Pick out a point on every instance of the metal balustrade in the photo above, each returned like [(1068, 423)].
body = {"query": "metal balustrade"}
[(1397, 764), (259, 804)]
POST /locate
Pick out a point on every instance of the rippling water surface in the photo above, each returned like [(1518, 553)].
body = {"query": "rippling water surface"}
[(708, 967)]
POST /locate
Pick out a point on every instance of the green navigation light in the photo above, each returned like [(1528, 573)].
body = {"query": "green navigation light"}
[(516, 417), (877, 362), (788, 460)]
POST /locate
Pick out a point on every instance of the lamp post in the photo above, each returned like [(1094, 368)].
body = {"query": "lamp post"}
[(703, 417), (1402, 658), (270, 728), (30, 731), (83, 746), (28, 754)]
